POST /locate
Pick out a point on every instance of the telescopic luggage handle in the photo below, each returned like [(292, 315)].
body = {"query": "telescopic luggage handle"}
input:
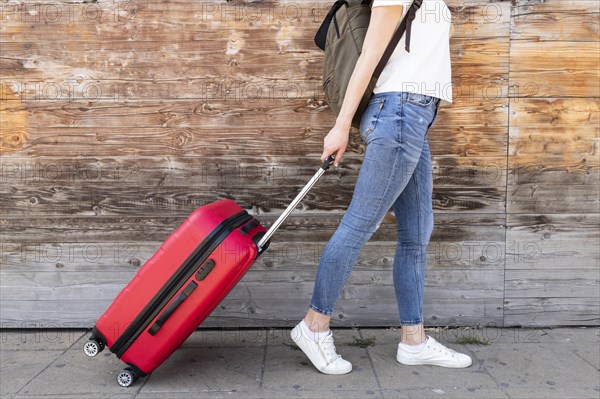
[(324, 166)]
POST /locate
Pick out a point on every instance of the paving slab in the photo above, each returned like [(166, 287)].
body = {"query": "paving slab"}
[(42, 340), (204, 370), (288, 371), (229, 338), (395, 376), (250, 393), (97, 395), (553, 393), (492, 335), (381, 335), (257, 393), (244, 363), (458, 393), (582, 341), (73, 373), (536, 367), (17, 368)]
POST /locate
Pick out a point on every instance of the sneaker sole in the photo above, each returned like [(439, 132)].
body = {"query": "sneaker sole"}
[(418, 363)]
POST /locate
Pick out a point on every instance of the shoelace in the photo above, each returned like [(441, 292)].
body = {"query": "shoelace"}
[(329, 348), (442, 348)]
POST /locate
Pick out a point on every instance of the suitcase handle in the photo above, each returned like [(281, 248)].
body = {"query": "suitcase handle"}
[(324, 166), (327, 163), (172, 308)]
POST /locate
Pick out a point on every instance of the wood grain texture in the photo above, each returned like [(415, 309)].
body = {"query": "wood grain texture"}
[(261, 285), (574, 70), (220, 114), (318, 226), (213, 171), (454, 246), (549, 310), (119, 118), (147, 201), (548, 242), (286, 20), (197, 69), (554, 20), (260, 313), (553, 155)]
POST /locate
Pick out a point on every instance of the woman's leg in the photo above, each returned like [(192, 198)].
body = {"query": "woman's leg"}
[(379, 183), (414, 218), (389, 162), (393, 152)]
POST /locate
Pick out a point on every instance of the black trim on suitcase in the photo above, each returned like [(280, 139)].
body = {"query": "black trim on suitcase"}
[(177, 280)]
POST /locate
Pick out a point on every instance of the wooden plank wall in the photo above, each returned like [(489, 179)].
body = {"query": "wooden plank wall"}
[(119, 118), (552, 259)]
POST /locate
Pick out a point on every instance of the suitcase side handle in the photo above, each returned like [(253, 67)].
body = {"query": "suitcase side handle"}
[(324, 166), (172, 307)]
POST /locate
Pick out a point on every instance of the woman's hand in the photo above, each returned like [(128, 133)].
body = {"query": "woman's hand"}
[(336, 142)]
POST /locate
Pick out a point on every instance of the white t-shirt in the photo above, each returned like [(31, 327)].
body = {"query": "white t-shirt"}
[(426, 69)]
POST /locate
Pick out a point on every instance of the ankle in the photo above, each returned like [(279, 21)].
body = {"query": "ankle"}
[(413, 341), (412, 334), (317, 322), (314, 335), (316, 326)]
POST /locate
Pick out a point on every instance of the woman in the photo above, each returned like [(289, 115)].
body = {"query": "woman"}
[(395, 173)]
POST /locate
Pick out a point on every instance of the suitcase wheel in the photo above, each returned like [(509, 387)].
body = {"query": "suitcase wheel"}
[(126, 377), (92, 347)]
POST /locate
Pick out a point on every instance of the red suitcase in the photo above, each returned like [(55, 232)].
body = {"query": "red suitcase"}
[(182, 283)]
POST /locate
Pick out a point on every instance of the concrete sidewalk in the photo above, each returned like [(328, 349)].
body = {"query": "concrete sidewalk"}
[(517, 363)]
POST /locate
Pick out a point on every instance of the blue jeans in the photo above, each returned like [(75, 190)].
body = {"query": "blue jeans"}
[(396, 173)]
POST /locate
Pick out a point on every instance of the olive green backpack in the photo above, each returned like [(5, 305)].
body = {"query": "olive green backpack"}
[(342, 42)]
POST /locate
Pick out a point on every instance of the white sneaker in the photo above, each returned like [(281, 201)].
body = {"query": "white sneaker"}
[(322, 354), (436, 354)]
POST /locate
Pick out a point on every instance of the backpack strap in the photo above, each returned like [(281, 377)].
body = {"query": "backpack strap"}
[(321, 36), (412, 11), (405, 25)]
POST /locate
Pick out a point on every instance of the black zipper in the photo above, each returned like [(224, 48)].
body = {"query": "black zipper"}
[(177, 280)]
